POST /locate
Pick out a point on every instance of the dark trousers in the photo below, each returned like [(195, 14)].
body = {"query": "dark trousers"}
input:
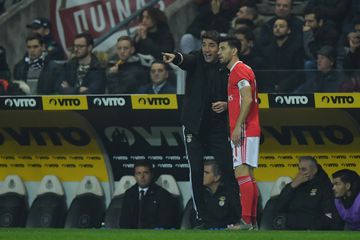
[(212, 142)]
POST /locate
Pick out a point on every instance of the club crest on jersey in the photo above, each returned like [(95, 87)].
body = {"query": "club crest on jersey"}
[(313, 192), (222, 201), (188, 138), (230, 98)]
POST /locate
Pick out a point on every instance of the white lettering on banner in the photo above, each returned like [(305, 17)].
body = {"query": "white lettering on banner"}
[(123, 11), (292, 100), (109, 101), (20, 102), (111, 15), (80, 21), (98, 18)]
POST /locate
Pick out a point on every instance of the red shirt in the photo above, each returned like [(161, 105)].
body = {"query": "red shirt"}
[(242, 75)]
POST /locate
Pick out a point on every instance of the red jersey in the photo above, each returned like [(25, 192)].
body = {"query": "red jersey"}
[(241, 75)]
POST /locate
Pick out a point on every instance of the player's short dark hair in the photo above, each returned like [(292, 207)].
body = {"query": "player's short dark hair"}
[(232, 42)]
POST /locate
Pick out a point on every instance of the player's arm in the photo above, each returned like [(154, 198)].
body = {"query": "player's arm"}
[(246, 100)]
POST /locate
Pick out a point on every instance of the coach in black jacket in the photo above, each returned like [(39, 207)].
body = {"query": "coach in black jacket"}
[(204, 115), (147, 205)]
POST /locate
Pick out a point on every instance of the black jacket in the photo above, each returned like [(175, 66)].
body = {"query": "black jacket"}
[(159, 208), (47, 79), (205, 83), (166, 89), (94, 80), (128, 79), (221, 208), (306, 206)]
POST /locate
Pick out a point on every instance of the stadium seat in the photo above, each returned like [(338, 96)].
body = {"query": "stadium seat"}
[(88, 207), (112, 215), (13, 202), (168, 182), (271, 220), (124, 184), (279, 185), (49, 207), (186, 216)]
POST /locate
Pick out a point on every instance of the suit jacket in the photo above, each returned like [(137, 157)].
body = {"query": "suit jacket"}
[(159, 210), (166, 89)]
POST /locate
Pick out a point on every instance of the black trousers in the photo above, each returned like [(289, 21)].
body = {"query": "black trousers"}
[(212, 141)]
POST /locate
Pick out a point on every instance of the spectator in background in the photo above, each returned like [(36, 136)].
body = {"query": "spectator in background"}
[(333, 11), (4, 67), (222, 209), (146, 205), (307, 203), (215, 15), (346, 186), (153, 35), (129, 72), (327, 78), (282, 10), (83, 73), (36, 70), (43, 27), (316, 33), (284, 60), (159, 75), (351, 64)]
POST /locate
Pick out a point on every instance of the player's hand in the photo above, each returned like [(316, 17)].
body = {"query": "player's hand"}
[(168, 57), (83, 89), (65, 84), (237, 136), (114, 69), (306, 28), (219, 106)]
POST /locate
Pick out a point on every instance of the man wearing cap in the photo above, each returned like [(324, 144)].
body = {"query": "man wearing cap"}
[(43, 27), (327, 78)]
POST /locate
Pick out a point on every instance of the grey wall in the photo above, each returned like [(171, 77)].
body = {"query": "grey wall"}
[(13, 29)]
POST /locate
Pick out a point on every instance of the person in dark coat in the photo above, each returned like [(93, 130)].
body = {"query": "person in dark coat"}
[(37, 67), (204, 116), (159, 75), (153, 34), (83, 74), (130, 70), (146, 205), (307, 203)]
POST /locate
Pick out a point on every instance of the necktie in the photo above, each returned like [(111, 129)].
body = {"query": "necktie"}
[(141, 202)]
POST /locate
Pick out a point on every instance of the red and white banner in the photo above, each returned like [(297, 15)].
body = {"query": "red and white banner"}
[(71, 17)]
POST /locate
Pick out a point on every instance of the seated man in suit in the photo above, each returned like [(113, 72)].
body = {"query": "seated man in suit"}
[(147, 205), (159, 75)]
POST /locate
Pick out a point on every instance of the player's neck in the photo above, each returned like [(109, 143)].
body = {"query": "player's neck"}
[(232, 62)]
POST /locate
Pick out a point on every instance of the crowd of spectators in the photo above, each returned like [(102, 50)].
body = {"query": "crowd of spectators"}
[(314, 51)]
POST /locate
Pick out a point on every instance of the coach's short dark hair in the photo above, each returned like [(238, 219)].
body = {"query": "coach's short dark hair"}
[(144, 163), (211, 34)]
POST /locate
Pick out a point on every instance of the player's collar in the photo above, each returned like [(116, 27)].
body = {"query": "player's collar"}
[(234, 65)]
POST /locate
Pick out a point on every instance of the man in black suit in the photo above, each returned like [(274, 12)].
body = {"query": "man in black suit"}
[(159, 75), (147, 205)]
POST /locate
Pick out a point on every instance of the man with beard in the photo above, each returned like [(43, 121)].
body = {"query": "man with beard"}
[(244, 129), (204, 117), (284, 58), (83, 73)]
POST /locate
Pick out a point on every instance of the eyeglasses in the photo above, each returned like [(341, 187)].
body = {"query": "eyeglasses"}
[(79, 46)]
